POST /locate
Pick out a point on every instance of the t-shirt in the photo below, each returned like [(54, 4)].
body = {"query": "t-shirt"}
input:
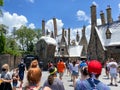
[(61, 67), (85, 85), (57, 84), (21, 67), (75, 68), (6, 75)]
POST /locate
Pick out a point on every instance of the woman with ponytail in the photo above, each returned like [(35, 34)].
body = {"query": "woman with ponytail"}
[(53, 82)]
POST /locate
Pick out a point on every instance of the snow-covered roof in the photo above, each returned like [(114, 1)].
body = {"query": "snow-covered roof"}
[(115, 33), (49, 40), (75, 51)]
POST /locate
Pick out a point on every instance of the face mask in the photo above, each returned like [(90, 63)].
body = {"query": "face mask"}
[(3, 69)]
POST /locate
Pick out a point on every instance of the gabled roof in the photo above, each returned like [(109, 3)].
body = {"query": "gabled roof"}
[(75, 51), (49, 40), (59, 37), (115, 34)]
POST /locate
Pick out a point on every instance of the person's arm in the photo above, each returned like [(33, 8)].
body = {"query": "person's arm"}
[(9, 79), (4, 80)]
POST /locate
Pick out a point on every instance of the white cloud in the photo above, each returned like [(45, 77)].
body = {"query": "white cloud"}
[(119, 6), (74, 32), (81, 15), (31, 26), (87, 32), (49, 25), (14, 20), (31, 1), (99, 21), (94, 3)]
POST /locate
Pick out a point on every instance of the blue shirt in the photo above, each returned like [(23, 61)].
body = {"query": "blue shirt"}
[(84, 85)]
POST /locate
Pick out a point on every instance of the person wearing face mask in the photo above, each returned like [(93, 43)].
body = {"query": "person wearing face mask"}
[(6, 78)]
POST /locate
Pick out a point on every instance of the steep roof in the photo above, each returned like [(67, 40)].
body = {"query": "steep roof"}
[(115, 33), (75, 51), (49, 40)]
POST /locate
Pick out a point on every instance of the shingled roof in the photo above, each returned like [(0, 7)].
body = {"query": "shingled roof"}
[(115, 34)]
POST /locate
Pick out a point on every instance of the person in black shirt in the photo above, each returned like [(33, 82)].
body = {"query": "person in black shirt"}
[(21, 67)]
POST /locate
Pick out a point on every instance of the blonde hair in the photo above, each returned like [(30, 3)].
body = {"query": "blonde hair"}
[(34, 75), (34, 64), (6, 66)]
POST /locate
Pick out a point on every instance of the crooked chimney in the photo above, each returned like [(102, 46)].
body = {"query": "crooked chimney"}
[(77, 37), (93, 15), (68, 36), (63, 32), (43, 28), (102, 17), (109, 17), (55, 27)]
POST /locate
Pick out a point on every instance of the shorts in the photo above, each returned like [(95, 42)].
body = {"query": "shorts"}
[(74, 73), (60, 74), (14, 84), (113, 75)]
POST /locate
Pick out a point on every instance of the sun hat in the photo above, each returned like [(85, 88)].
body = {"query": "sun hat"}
[(94, 67), (52, 70)]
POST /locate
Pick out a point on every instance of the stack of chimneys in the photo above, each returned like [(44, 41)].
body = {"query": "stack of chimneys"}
[(93, 16), (55, 28)]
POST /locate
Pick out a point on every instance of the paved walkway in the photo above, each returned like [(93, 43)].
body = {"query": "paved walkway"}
[(68, 84)]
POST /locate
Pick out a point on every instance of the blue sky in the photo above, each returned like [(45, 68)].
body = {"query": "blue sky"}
[(69, 13)]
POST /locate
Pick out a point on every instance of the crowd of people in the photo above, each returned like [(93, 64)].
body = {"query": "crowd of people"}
[(88, 73)]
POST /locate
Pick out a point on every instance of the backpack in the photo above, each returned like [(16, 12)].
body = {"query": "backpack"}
[(93, 83)]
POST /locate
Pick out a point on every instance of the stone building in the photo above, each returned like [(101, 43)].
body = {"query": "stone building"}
[(64, 48), (104, 39)]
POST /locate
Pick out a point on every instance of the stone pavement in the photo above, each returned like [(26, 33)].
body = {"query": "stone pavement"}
[(68, 84)]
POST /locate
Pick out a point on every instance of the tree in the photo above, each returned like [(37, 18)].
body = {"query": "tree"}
[(25, 36), (38, 34), (2, 43), (3, 30), (1, 4)]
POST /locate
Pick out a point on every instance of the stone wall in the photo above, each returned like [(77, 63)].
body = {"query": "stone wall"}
[(9, 59)]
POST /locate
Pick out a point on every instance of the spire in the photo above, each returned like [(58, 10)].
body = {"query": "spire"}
[(77, 36), (83, 40), (52, 34), (83, 30)]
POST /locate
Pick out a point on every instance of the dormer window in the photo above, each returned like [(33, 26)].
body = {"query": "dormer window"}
[(108, 34)]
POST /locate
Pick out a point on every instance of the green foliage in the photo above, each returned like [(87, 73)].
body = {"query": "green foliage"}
[(2, 43), (26, 37), (12, 52), (1, 2), (38, 34)]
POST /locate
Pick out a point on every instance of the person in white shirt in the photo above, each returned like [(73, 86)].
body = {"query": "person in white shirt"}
[(113, 71), (75, 69)]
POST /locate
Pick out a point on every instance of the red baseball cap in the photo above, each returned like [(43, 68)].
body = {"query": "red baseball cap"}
[(94, 67)]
